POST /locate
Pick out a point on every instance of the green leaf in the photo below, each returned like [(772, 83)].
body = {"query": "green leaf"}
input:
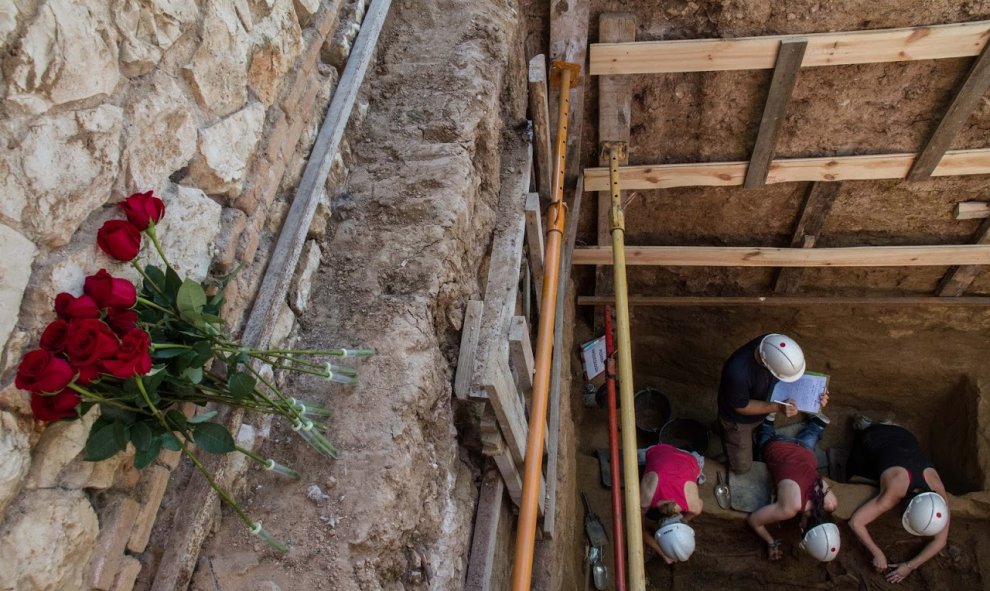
[(172, 283), (190, 301), (204, 352), (144, 457), (140, 436), (106, 441), (171, 442), (241, 385), (168, 353), (155, 274), (202, 418), (213, 438), (176, 420), (194, 374)]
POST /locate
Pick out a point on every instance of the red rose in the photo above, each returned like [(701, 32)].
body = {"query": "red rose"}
[(69, 307), (108, 290), (40, 371), (121, 321), (55, 407), (142, 209), (133, 357), (89, 341), (53, 339), (119, 239)]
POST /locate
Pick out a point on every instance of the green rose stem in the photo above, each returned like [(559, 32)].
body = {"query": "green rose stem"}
[(270, 464), (254, 526), (150, 281), (93, 397), (151, 304), (153, 234)]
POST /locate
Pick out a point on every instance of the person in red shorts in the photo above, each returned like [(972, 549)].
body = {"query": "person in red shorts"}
[(800, 490), (669, 493)]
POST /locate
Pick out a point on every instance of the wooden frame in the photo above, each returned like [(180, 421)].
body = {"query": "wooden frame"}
[(759, 53), (685, 301)]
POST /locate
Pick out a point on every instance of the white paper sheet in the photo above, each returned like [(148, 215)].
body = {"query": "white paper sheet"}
[(807, 391)]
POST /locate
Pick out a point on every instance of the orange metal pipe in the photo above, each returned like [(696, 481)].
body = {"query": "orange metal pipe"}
[(618, 530), (522, 566)]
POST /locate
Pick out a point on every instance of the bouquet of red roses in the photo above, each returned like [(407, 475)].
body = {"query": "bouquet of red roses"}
[(142, 352)]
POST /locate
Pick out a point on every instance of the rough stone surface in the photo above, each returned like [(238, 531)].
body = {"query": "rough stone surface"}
[(63, 170), (278, 41), (148, 29), (16, 453), (283, 327), (15, 271), (46, 541), (161, 136), (68, 53), (188, 231), (218, 70), (116, 522), (309, 262), (60, 444), (8, 19), (224, 150), (129, 570)]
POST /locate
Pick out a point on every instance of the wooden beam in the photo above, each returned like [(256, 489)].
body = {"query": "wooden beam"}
[(501, 393), (470, 329), (534, 239), (857, 256), (481, 564), (967, 98), (959, 278), (824, 49), (685, 301), (785, 75), (839, 168), (614, 123), (970, 210), (817, 205), (569, 43), (556, 364), (539, 111), (521, 356), (495, 447)]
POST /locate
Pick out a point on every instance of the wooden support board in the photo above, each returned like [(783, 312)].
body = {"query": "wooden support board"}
[(539, 111), (970, 210), (958, 279), (684, 301), (481, 564), (521, 356), (785, 75), (469, 348), (495, 447), (967, 98), (729, 256), (501, 393), (824, 49), (569, 43), (840, 168), (817, 205), (614, 121), (534, 240)]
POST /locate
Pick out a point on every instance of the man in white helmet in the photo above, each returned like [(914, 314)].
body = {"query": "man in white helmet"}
[(800, 491), (747, 381), (891, 455)]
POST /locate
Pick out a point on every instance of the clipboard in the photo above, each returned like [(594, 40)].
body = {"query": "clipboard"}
[(807, 391)]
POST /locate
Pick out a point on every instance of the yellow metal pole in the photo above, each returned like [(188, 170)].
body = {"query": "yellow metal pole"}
[(522, 566), (630, 464)]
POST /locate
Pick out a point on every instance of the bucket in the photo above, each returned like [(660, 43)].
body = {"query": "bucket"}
[(652, 410), (686, 434)]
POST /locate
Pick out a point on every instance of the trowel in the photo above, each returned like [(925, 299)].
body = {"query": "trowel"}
[(722, 495), (596, 535), (593, 525)]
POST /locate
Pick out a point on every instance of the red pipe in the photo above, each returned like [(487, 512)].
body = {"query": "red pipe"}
[(618, 535)]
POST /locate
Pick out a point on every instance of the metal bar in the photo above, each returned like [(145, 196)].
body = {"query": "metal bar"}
[(681, 301), (522, 567), (618, 535), (630, 465)]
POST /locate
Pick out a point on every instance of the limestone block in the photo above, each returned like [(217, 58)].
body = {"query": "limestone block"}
[(232, 223), (147, 29), (67, 53), (8, 19), (309, 262), (47, 540), (60, 444), (278, 42), (15, 400), (218, 69), (68, 164), (116, 522), (15, 271), (283, 327), (17, 344), (161, 136), (305, 9), (15, 449), (224, 150), (153, 484), (129, 570), (188, 231)]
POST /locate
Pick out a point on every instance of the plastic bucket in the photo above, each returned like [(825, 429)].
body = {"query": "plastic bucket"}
[(686, 434), (653, 410)]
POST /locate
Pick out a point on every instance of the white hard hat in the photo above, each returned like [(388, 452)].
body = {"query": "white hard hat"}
[(676, 540), (926, 515), (783, 357), (822, 542)]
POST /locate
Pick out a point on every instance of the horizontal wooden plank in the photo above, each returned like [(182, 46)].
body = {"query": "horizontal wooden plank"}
[(758, 53), (744, 256), (838, 168), (684, 301), (971, 210)]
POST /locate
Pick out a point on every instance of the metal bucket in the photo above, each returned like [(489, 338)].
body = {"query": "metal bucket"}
[(686, 434), (653, 410)]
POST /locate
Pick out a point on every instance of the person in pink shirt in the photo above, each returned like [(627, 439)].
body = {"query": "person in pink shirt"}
[(669, 492)]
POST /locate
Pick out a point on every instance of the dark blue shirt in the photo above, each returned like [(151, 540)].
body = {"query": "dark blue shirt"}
[(743, 379)]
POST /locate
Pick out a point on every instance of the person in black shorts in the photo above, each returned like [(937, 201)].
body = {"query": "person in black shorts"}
[(891, 455)]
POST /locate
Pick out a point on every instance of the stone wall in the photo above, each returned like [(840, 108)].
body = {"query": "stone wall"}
[(212, 104)]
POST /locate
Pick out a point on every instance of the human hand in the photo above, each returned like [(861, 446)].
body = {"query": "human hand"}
[(790, 408), (824, 398), (774, 551), (898, 572), (880, 562)]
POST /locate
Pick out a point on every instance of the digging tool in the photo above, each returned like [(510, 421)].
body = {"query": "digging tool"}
[(722, 494), (593, 525)]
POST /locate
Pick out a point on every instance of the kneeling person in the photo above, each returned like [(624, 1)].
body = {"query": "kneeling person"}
[(670, 488), (800, 490)]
